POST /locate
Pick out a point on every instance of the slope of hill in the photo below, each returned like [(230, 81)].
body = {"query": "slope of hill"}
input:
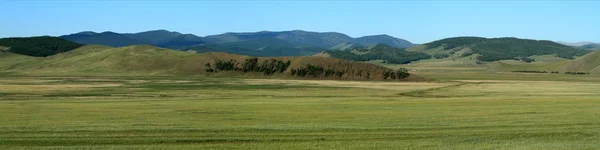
[(37, 46), (589, 63), (576, 44), (379, 52), (323, 40), (495, 49), (590, 46), (153, 37), (104, 38), (347, 46), (150, 60), (383, 39), (266, 46), (296, 37)]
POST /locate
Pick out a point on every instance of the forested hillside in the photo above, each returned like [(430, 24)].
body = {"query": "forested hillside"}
[(379, 52), (38, 46), (495, 49)]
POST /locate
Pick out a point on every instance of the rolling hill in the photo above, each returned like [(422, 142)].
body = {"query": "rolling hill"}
[(495, 49), (383, 39), (589, 63), (592, 46), (347, 46), (150, 60)]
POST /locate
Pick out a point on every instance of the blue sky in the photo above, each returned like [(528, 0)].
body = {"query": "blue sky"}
[(416, 21)]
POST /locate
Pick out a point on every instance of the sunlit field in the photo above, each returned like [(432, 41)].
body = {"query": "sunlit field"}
[(231, 113)]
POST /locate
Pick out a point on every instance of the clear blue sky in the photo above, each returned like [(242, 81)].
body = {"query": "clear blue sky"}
[(415, 21)]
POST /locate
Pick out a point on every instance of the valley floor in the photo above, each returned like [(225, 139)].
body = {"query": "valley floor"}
[(231, 113)]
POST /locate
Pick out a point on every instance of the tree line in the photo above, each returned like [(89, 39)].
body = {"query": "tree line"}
[(267, 67), (273, 66)]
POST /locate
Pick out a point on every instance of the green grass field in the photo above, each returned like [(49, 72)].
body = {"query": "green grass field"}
[(193, 112)]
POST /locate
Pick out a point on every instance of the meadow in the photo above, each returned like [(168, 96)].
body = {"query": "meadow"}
[(196, 112)]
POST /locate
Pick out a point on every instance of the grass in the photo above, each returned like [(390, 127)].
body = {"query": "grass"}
[(192, 112)]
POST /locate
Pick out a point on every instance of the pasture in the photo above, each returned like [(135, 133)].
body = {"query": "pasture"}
[(195, 112)]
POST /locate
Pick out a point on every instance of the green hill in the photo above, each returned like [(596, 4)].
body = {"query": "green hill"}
[(104, 38), (37, 46), (593, 46), (378, 52), (495, 49), (383, 39), (347, 46), (589, 63), (150, 60)]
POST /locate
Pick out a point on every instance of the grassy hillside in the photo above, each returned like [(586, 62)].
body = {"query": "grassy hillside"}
[(495, 49), (150, 60), (589, 63), (383, 39), (37, 46)]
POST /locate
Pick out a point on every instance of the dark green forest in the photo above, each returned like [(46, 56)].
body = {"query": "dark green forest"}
[(507, 48), (451, 43), (380, 52), (41, 46)]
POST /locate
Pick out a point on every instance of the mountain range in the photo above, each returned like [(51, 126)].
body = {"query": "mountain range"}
[(472, 50), (263, 43)]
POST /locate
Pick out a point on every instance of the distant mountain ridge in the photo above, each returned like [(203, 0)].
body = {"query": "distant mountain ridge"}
[(162, 38), (323, 40), (267, 43), (576, 44)]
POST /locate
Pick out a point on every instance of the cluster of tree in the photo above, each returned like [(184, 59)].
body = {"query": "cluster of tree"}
[(316, 71), (38, 46), (389, 54), (524, 59), (509, 48), (440, 56), (577, 73), (267, 67), (530, 71), (399, 74)]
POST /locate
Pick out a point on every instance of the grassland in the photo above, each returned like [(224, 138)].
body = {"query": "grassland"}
[(194, 112)]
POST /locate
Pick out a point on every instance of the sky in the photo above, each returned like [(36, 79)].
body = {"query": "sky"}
[(416, 21)]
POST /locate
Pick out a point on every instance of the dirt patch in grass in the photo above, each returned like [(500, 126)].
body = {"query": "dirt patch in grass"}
[(396, 86)]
